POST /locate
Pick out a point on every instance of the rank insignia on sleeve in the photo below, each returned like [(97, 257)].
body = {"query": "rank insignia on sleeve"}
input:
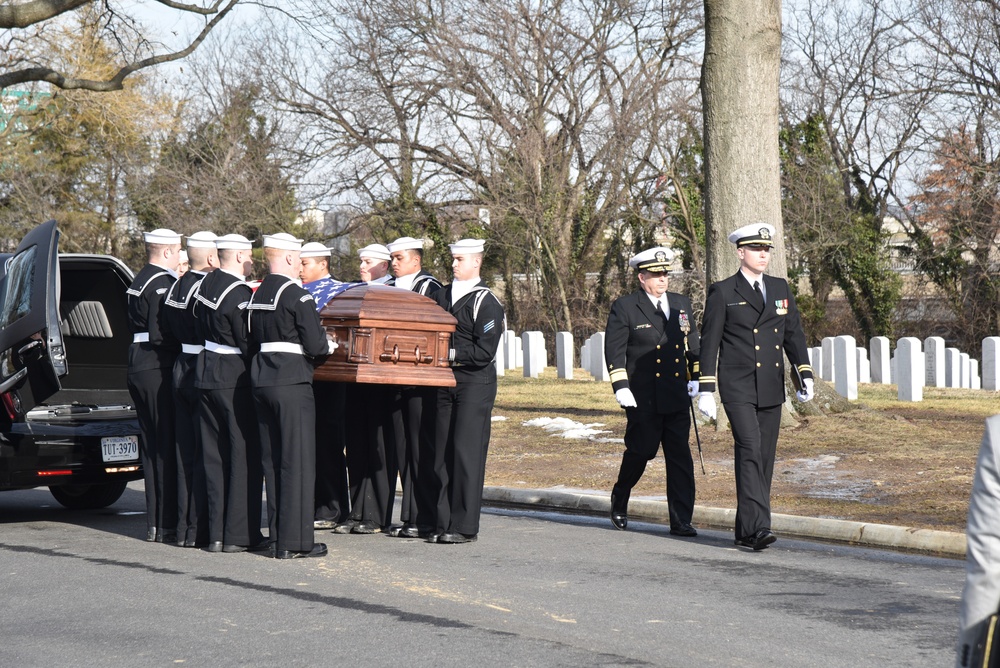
[(488, 326)]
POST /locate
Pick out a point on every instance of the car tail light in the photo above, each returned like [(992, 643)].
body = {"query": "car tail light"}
[(8, 404), (54, 472)]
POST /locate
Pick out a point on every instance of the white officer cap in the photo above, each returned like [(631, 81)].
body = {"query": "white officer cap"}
[(653, 259), (161, 236), (315, 249), (405, 243), (233, 242), (375, 251), (759, 234), (463, 246), (282, 241), (201, 240)]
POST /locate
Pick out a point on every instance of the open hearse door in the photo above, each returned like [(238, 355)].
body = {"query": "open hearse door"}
[(32, 356)]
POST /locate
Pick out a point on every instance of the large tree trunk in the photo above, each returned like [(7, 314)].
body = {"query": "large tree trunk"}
[(740, 95)]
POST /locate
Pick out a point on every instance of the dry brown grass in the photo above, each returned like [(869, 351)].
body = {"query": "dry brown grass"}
[(885, 461)]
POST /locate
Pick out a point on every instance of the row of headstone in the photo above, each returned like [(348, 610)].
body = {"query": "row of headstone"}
[(839, 360), (916, 364)]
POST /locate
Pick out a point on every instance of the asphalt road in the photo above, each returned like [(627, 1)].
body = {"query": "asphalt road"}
[(537, 589)]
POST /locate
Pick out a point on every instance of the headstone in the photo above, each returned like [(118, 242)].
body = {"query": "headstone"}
[(909, 369), (533, 344), (585, 356), (828, 372), (976, 383), (518, 353), (816, 359), (564, 355), (864, 366), (934, 356), (510, 348), (952, 367), (879, 349), (991, 363), (845, 359), (965, 380), (598, 366)]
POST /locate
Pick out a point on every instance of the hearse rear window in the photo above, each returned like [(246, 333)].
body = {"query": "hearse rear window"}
[(19, 285)]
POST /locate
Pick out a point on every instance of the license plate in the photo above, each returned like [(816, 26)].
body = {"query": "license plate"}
[(120, 448)]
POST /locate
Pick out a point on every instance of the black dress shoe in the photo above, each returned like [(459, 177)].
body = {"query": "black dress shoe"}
[(166, 536), (413, 531), (684, 529), (394, 529), (214, 546), (619, 510), (262, 546), (456, 538), (366, 526), (151, 535), (233, 549), (318, 550), (345, 527), (324, 524), (758, 541), (434, 536)]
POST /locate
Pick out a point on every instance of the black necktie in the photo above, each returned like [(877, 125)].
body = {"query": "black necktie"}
[(659, 309), (760, 295)]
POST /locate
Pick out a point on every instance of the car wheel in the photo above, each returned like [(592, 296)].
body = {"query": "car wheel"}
[(84, 497)]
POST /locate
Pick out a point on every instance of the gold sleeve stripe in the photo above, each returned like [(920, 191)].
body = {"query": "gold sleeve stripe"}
[(617, 375), (707, 379), (805, 367), (696, 366)]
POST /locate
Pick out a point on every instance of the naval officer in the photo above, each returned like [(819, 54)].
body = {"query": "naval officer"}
[(750, 324)]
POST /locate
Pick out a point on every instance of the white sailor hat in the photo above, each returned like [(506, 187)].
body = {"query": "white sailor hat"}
[(653, 259), (184, 256), (161, 236), (463, 246), (375, 251), (405, 243), (201, 240), (282, 241), (315, 249), (233, 242), (757, 234)]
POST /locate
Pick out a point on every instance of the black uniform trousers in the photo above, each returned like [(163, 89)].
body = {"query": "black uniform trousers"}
[(192, 495), (286, 415), (644, 433), (371, 457), (755, 438), (234, 474), (462, 439), (152, 394), (333, 499), (413, 425)]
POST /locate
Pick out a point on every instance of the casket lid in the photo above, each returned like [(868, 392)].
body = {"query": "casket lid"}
[(370, 305)]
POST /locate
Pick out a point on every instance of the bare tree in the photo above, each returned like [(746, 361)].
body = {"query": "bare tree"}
[(27, 55), (550, 115)]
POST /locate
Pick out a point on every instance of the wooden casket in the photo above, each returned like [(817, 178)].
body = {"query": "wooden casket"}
[(387, 335)]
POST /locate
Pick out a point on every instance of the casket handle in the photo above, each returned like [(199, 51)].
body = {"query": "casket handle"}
[(395, 357)]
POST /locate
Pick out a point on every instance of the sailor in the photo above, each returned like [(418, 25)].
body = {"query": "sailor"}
[(178, 319), (150, 364), (285, 326), (230, 440)]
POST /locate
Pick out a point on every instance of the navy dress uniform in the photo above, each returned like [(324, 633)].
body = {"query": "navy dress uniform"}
[(333, 500), (652, 354), (463, 420), (285, 327), (178, 318), (230, 441), (413, 412), (371, 457), (750, 324), (150, 363)]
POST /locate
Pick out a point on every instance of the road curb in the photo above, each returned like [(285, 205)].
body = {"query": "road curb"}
[(941, 543)]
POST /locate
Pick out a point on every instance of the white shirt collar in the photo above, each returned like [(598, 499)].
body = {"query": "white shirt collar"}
[(405, 282), (461, 288)]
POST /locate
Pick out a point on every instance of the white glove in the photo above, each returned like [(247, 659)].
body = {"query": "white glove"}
[(332, 345), (625, 398), (692, 388), (806, 393), (706, 404)]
